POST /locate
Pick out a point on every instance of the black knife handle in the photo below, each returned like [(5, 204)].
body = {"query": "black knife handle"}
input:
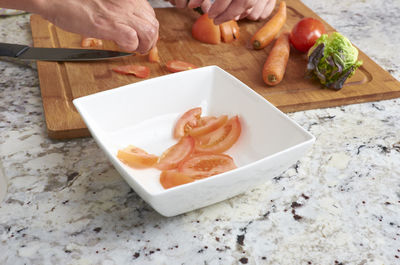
[(12, 50)]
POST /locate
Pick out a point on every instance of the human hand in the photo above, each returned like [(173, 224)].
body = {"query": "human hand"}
[(203, 4), (132, 24), (225, 10)]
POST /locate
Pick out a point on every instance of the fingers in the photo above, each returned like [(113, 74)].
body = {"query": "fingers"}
[(205, 6), (131, 42), (234, 10), (268, 9), (180, 3), (218, 7), (257, 10), (194, 3)]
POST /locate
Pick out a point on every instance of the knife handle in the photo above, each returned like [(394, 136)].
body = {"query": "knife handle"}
[(12, 50)]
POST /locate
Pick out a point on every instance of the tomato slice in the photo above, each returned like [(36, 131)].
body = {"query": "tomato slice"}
[(88, 42), (187, 121), (172, 178), (153, 55), (208, 124), (229, 31), (137, 70), (205, 165), (176, 153), (220, 140), (206, 31), (174, 66), (136, 157)]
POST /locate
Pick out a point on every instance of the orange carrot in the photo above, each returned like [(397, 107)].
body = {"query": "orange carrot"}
[(275, 65), (270, 29)]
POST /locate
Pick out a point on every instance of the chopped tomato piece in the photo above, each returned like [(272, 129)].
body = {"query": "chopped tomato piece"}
[(176, 153), (220, 140), (206, 31), (229, 31), (208, 124), (205, 165), (91, 43), (172, 178), (153, 55), (178, 66), (137, 70), (136, 157), (186, 122)]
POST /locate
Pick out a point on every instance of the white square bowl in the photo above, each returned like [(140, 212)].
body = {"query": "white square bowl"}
[(144, 113)]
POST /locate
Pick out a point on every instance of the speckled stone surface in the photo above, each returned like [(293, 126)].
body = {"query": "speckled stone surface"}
[(340, 204)]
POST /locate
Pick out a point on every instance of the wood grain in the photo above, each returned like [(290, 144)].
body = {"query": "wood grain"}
[(60, 83)]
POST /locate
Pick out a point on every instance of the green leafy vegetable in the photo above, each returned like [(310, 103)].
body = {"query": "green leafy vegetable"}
[(332, 60)]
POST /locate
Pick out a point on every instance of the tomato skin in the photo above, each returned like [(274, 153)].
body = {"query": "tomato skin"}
[(220, 140), (305, 33), (171, 158), (137, 70), (187, 121), (205, 165), (206, 31), (172, 178), (174, 66), (136, 157)]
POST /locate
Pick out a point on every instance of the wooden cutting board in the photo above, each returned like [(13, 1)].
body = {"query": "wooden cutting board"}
[(60, 83)]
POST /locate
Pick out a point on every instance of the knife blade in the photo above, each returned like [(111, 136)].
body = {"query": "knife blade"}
[(24, 52)]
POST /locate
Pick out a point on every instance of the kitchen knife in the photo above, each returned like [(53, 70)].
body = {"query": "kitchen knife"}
[(24, 52)]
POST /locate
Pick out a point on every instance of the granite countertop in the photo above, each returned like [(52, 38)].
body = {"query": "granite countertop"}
[(339, 204)]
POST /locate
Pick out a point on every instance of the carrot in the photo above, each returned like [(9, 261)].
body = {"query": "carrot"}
[(275, 65), (270, 29)]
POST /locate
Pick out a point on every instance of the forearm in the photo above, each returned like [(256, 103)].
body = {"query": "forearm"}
[(33, 6)]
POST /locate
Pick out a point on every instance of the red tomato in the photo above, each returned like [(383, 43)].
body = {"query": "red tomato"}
[(91, 43), (206, 31), (220, 140), (205, 165), (208, 124), (305, 33), (229, 31), (176, 153), (137, 70), (178, 66), (136, 157), (172, 178), (187, 121), (153, 55)]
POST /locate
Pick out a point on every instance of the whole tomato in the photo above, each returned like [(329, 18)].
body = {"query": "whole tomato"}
[(305, 33)]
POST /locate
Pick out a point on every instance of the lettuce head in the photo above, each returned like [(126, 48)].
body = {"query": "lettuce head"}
[(332, 60)]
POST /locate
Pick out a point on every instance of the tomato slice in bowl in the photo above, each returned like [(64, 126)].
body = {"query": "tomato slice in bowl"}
[(174, 66), (132, 69), (186, 122), (207, 124), (221, 139), (176, 153), (172, 178), (136, 158), (205, 165)]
